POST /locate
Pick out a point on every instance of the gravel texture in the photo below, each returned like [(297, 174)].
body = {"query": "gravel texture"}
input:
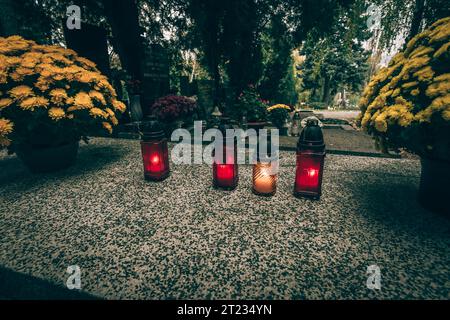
[(180, 238)]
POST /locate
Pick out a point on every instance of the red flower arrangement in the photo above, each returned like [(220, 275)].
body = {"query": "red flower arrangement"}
[(172, 107)]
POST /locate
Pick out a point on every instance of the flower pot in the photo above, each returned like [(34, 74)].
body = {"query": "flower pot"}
[(48, 159), (434, 191)]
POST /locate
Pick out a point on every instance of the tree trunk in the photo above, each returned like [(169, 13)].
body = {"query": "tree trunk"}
[(124, 20), (343, 99), (416, 22), (326, 92), (313, 93), (214, 60), (8, 18)]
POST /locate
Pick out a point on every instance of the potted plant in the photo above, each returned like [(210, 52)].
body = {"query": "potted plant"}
[(173, 110), (278, 115), (50, 98), (407, 105), (252, 107)]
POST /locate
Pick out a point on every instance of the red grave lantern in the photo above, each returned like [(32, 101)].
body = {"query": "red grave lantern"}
[(310, 160), (225, 168), (155, 154)]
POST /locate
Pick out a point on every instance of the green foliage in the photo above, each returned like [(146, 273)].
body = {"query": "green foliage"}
[(254, 39), (251, 106), (42, 20), (316, 17), (408, 17), (238, 42), (227, 32), (241, 43), (277, 83), (337, 61)]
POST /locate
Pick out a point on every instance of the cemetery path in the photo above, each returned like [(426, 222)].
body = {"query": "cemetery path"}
[(180, 238)]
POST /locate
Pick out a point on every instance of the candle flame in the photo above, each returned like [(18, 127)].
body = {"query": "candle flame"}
[(154, 159), (312, 173)]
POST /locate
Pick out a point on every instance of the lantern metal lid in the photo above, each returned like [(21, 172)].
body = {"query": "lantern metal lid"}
[(152, 129), (216, 112), (223, 127), (311, 137)]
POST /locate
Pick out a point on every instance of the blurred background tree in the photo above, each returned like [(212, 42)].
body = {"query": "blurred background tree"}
[(277, 82), (290, 50), (337, 62)]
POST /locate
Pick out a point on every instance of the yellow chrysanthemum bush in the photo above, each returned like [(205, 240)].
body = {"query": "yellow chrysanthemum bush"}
[(278, 114), (407, 103), (49, 95)]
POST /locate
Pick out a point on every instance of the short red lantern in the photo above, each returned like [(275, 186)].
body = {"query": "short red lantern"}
[(265, 170), (225, 167), (155, 154), (310, 160)]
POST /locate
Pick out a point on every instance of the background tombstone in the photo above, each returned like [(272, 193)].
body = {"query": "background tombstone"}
[(155, 83), (185, 86), (205, 97), (90, 42)]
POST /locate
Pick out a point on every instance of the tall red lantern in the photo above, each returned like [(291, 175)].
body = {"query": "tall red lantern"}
[(225, 168), (155, 153), (310, 161)]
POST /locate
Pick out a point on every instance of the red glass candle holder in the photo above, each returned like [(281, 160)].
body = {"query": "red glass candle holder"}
[(155, 155), (225, 167), (225, 175), (310, 161)]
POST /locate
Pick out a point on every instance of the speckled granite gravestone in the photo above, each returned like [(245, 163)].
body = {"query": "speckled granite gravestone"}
[(182, 239)]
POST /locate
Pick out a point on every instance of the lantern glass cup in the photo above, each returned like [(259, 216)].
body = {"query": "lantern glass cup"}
[(308, 176), (225, 170), (156, 160), (264, 179)]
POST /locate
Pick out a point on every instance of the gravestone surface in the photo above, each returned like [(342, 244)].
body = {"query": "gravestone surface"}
[(155, 83), (205, 96), (90, 42), (186, 88)]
